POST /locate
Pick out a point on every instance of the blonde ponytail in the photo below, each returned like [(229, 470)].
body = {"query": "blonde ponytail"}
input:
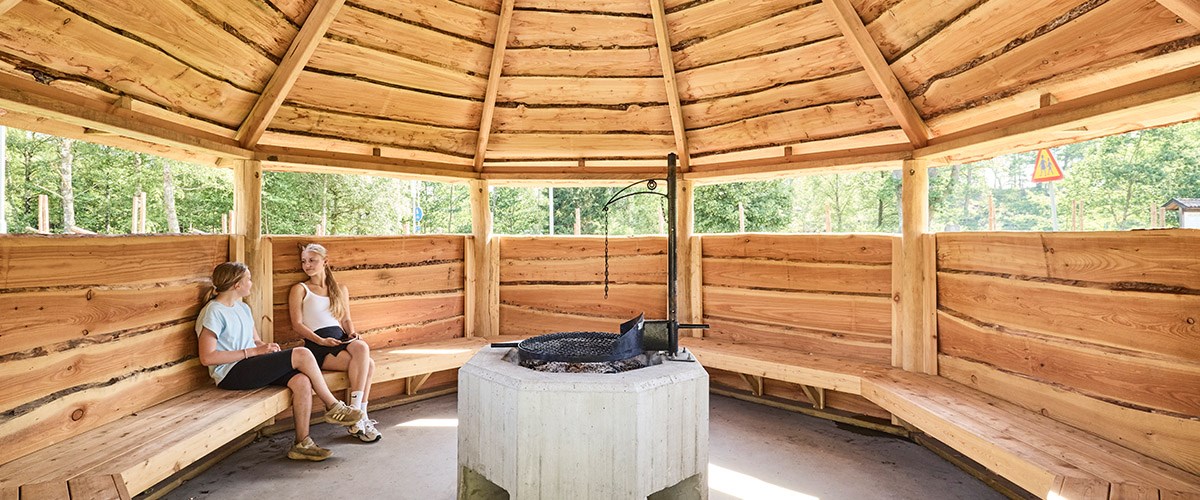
[(339, 305)]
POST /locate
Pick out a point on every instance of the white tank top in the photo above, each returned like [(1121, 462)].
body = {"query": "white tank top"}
[(315, 311)]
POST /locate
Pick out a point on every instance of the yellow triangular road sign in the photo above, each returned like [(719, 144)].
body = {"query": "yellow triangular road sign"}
[(1046, 169)]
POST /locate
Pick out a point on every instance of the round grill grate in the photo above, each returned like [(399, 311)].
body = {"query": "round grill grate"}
[(579, 347)]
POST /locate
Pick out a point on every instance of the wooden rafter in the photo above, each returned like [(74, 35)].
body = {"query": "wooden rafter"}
[(668, 68), (288, 71), (305, 160), (6, 5), (26, 96), (1188, 10), (493, 85), (877, 69)]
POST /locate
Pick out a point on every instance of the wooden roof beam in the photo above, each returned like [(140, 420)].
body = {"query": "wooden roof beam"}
[(36, 99), (667, 59), (851, 160), (879, 71), (1188, 10), (286, 159), (493, 85), (1162, 100), (288, 71)]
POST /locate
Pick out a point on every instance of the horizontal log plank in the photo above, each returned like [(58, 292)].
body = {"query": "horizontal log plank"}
[(788, 29), (384, 312), (831, 373), (708, 19), (1139, 321), (850, 248), (798, 276), (257, 21), (353, 251), (578, 247), (566, 91), (1109, 374), (36, 261), (41, 31), (61, 319), (378, 32), (555, 61), (635, 117), (45, 375), (366, 98), (375, 131), (78, 412), (175, 27), (908, 22), (744, 75), (846, 313), (1070, 47), (1156, 257), (609, 7), (1167, 438), (557, 145), (401, 335), (386, 281), (648, 269), (623, 301), (452, 17), (532, 28), (363, 62), (801, 125), (860, 347), (838, 88), (526, 322)]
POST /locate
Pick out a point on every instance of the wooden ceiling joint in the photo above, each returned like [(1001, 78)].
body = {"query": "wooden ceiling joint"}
[(493, 84), (6, 5), (878, 70), (1188, 10), (289, 69), (666, 57)]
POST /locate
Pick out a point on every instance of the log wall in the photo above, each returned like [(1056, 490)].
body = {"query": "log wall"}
[(828, 295), (1097, 330), (403, 289), (553, 284), (96, 328)]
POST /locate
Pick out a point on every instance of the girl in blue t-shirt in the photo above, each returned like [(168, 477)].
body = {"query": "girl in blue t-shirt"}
[(238, 359)]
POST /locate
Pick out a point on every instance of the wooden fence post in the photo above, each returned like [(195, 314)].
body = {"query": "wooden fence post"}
[(481, 255), (917, 289)]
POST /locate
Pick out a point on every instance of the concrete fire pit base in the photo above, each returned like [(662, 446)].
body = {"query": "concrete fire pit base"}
[(524, 434)]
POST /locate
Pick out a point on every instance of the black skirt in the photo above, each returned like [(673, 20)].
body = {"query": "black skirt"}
[(320, 351)]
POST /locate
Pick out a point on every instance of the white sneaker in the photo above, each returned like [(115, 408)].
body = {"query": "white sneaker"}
[(365, 430)]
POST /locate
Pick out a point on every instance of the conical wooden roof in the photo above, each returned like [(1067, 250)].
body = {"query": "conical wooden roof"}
[(523, 87)]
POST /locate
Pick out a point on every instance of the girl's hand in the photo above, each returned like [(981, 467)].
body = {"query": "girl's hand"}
[(351, 336), (330, 342)]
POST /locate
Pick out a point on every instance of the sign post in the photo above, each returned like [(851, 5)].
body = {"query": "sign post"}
[(1046, 169)]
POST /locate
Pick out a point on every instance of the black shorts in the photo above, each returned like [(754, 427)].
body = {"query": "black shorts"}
[(260, 371), (320, 351)]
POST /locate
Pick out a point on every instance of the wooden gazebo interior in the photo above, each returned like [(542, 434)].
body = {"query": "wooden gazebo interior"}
[(1065, 363)]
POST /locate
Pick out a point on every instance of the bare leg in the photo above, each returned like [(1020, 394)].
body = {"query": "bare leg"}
[(370, 375), (303, 360), (301, 404), (356, 361)]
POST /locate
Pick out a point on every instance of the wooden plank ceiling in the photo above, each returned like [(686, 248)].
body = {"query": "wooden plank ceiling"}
[(583, 88)]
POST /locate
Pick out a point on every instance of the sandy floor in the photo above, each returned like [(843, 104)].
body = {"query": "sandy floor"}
[(755, 452)]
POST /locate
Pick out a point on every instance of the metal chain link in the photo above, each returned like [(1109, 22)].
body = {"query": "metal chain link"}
[(606, 253)]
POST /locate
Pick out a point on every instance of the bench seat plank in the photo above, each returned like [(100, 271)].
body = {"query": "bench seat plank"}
[(827, 372)]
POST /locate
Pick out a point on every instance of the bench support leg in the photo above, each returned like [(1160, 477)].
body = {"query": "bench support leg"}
[(755, 382), (816, 395), (413, 384)]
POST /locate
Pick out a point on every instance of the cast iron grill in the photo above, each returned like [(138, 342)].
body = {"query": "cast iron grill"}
[(580, 347)]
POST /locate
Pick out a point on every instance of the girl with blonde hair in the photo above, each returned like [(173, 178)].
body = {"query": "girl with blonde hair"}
[(238, 359), (320, 313)]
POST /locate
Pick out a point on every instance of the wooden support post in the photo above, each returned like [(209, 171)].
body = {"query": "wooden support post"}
[(481, 224), (695, 282), (685, 225), (247, 225), (755, 382), (815, 394), (493, 302), (918, 342), (414, 383), (470, 288)]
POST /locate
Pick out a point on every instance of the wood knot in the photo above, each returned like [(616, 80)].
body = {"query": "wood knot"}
[(86, 332), (1191, 321), (90, 293), (896, 297), (77, 414)]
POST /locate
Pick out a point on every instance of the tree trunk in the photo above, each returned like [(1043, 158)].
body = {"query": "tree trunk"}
[(65, 167), (3, 179), (169, 197)]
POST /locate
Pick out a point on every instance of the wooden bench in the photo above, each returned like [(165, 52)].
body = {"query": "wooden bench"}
[(142, 449), (1037, 453)]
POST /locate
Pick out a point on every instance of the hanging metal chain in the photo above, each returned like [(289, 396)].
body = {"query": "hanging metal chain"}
[(606, 253)]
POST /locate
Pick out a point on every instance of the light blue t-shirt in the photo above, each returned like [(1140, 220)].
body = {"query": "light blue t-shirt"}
[(234, 327)]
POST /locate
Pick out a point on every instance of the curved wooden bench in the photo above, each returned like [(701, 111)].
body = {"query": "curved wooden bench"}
[(142, 449), (1042, 455)]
